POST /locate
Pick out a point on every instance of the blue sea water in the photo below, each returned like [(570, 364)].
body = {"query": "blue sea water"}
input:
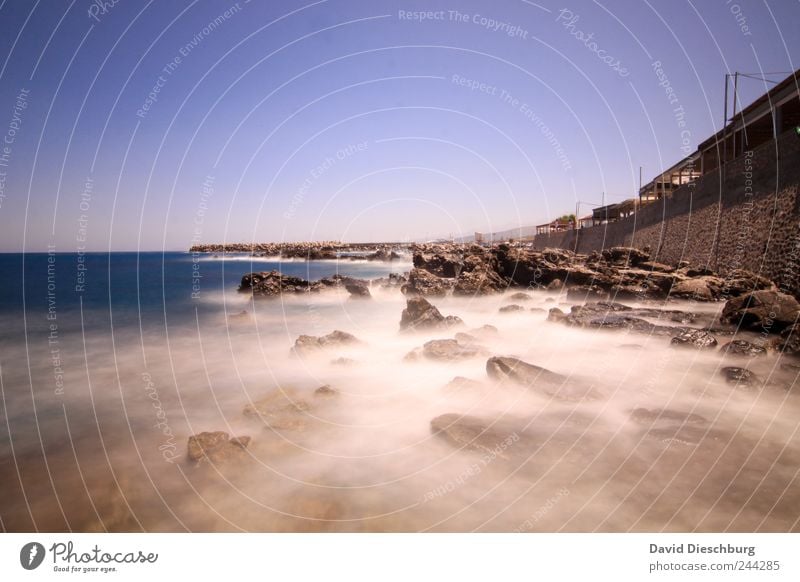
[(131, 285)]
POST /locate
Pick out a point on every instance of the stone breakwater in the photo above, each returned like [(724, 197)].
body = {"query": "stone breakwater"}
[(311, 251)]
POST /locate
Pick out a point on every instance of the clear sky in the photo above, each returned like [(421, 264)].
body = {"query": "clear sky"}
[(151, 125)]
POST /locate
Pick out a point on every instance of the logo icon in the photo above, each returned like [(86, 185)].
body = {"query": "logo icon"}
[(31, 555)]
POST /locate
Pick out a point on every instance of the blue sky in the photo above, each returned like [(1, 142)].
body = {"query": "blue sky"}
[(352, 120)]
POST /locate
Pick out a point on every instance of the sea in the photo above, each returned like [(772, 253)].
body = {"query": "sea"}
[(111, 362)]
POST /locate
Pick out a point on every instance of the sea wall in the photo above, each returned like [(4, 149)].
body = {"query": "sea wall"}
[(747, 218)]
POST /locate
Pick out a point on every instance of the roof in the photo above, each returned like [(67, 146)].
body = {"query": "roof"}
[(765, 100)]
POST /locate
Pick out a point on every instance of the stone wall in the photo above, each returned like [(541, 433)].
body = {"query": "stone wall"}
[(749, 218)]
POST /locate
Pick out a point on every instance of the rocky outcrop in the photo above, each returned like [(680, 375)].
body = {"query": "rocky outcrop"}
[(694, 338), (216, 447), (767, 309), (423, 283), (539, 379), (272, 283), (420, 315), (743, 348)]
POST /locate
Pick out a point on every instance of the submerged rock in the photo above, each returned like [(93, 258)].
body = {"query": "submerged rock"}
[(450, 349), (743, 348), (739, 376), (476, 433), (272, 283), (539, 379), (326, 392), (310, 343), (216, 447), (695, 338), (511, 308), (419, 314), (281, 410)]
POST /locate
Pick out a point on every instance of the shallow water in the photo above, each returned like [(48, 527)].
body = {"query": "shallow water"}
[(109, 451)]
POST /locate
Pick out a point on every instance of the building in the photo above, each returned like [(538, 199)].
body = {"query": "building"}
[(558, 225), (685, 171), (772, 114), (614, 212)]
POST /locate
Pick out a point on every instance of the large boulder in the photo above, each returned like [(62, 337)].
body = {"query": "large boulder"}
[(421, 282), (272, 283), (539, 379), (625, 256), (741, 281), (419, 314), (766, 310), (281, 410), (442, 265), (706, 288)]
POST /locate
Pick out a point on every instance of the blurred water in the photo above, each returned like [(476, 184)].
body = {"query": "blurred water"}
[(106, 450)]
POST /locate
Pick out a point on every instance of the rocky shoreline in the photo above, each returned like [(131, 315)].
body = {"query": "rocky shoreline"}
[(758, 320), (310, 251)]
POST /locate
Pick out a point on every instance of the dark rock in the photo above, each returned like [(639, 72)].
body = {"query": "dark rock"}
[(695, 338), (421, 282), (419, 314), (358, 289), (739, 376), (740, 281), (624, 256), (769, 310), (216, 447), (481, 281), (585, 293), (789, 342), (511, 308), (272, 283), (440, 265), (743, 348)]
